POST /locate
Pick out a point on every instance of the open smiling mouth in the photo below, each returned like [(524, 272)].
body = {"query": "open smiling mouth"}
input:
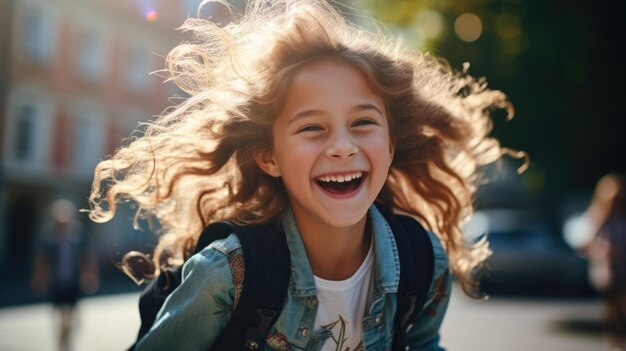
[(341, 184)]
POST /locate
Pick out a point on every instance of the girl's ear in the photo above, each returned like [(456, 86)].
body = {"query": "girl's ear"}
[(267, 163)]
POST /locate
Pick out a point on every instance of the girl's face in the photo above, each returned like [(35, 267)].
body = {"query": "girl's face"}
[(331, 145)]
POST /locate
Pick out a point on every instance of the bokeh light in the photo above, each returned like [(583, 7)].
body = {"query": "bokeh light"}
[(468, 27), (152, 15), (430, 22)]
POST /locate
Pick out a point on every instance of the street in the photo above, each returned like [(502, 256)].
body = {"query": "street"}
[(111, 322), (521, 325)]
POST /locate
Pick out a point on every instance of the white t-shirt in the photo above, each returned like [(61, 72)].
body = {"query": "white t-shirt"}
[(342, 307)]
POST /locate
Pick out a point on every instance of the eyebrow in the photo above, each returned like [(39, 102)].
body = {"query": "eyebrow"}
[(365, 107), (357, 108)]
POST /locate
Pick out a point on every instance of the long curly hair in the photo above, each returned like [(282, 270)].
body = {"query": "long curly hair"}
[(195, 163)]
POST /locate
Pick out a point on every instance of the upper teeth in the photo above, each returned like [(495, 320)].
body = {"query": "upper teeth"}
[(341, 178)]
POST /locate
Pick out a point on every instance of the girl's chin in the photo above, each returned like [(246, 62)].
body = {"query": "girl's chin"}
[(336, 217)]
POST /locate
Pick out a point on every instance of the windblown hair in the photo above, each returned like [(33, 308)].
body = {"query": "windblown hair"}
[(195, 163)]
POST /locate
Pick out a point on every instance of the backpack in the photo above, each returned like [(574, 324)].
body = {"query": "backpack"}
[(268, 269)]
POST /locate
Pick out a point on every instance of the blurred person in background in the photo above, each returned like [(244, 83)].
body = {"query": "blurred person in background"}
[(606, 220), (64, 267)]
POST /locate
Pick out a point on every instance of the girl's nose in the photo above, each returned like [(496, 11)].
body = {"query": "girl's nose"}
[(342, 146)]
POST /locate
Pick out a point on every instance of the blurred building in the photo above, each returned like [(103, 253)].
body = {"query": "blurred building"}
[(74, 82)]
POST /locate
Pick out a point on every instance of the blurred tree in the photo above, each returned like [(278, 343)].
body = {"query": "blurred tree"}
[(559, 65)]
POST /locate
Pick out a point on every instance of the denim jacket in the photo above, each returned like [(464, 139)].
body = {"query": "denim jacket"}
[(198, 310)]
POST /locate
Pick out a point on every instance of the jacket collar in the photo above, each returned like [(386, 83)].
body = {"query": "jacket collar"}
[(386, 260)]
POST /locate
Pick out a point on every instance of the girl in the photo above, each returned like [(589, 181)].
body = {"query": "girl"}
[(296, 114)]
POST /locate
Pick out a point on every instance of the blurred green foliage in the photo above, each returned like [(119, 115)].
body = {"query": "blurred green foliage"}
[(559, 63)]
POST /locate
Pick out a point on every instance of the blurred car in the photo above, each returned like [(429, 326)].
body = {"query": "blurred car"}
[(529, 256)]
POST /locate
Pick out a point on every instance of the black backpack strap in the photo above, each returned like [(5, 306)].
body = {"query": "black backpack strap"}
[(417, 264), (154, 294), (212, 232), (267, 268)]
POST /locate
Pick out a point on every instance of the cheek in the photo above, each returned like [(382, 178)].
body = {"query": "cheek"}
[(379, 145), (294, 151), (295, 156)]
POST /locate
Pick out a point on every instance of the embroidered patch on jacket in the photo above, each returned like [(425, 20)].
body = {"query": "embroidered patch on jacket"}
[(226, 305), (277, 341), (440, 294), (235, 261)]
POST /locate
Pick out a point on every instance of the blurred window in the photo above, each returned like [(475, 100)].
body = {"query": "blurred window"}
[(28, 132), (89, 136), (38, 30), (139, 67), (24, 124), (91, 55)]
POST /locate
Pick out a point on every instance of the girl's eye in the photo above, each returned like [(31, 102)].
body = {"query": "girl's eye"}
[(309, 129), (364, 122)]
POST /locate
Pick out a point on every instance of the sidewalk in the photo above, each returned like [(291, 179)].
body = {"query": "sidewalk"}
[(111, 323), (104, 323), (18, 293)]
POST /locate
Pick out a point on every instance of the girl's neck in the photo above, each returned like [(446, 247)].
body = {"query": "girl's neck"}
[(336, 253)]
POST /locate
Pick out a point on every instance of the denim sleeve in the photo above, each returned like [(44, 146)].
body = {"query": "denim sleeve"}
[(424, 330), (198, 310)]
